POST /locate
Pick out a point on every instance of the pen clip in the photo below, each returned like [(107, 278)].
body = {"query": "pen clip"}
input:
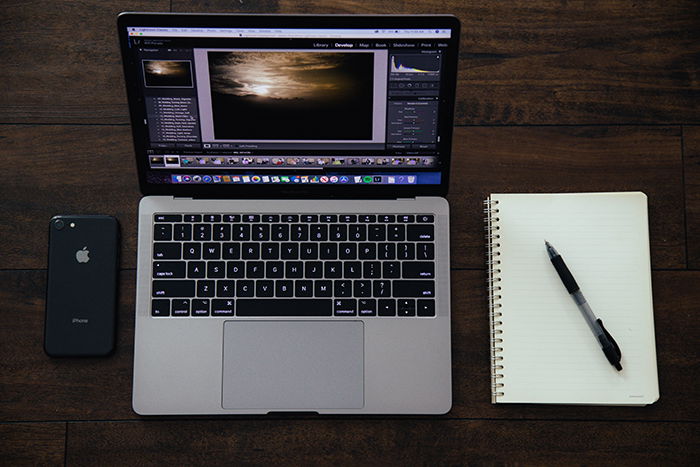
[(615, 361)]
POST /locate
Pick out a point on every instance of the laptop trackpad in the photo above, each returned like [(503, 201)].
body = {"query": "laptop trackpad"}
[(293, 365)]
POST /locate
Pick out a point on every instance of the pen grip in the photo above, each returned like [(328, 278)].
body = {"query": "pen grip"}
[(564, 274)]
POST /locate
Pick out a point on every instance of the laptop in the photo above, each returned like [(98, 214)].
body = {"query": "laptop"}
[(293, 237)]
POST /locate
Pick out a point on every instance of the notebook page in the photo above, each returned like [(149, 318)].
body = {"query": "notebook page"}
[(549, 353)]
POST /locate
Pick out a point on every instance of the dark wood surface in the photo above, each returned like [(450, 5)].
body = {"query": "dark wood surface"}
[(553, 96)]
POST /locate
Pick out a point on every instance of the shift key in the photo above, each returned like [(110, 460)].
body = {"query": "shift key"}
[(414, 288), (173, 288)]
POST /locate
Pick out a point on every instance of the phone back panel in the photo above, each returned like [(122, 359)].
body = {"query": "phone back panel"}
[(81, 286)]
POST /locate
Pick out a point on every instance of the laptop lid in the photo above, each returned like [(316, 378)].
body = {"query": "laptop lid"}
[(291, 106)]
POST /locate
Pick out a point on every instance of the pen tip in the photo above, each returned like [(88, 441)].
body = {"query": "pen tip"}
[(547, 243)]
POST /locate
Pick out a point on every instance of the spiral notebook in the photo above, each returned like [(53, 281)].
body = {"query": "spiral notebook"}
[(542, 350)]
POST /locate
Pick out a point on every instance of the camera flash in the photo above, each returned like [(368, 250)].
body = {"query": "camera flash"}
[(72, 224)]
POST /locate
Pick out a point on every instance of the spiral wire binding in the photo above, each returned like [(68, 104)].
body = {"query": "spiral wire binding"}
[(492, 253)]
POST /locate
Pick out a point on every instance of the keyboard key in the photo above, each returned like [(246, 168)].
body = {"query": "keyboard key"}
[(386, 218), (180, 307), (250, 218), (338, 232), (196, 269), (255, 269), (250, 251), (202, 232), (391, 270), (206, 288), (357, 232), (313, 269), (216, 270), (418, 270), (362, 288), (328, 251), (284, 288), (270, 251), (367, 251), (192, 218), (167, 217), (225, 288), (425, 251), (420, 233), (405, 251), (328, 218), (271, 218), (426, 307), (290, 218), (371, 270), (221, 232), (367, 307), (333, 269), (212, 217), (342, 288), (192, 250), (396, 232), (264, 288), (299, 232), (414, 288), (382, 288), (304, 288), (231, 218), (352, 269), (318, 232), (346, 307), (323, 288), (211, 250), (367, 218), (386, 307), (221, 307), (182, 232), (294, 269), (406, 307), (280, 232), (348, 251), (169, 269), (284, 307), (425, 218), (386, 251), (260, 232), (289, 251), (231, 251), (173, 288), (160, 307), (376, 233), (245, 288), (405, 218), (309, 218), (235, 269), (308, 251), (347, 218), (200, 307), (240, 232), (162, 232), (166, 251), (274, 269)]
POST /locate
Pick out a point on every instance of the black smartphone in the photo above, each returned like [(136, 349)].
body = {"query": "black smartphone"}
[(81, 292)]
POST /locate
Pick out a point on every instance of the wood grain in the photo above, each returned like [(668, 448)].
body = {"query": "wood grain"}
[(90, 169), (36, 387), (32, 444), (381, 442), (691, 163), (61, 60), (522, 62)]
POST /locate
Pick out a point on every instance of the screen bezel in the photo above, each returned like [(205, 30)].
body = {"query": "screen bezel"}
[(137, 109)]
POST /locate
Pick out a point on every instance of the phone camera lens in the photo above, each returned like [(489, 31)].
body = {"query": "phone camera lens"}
[(59, 224)]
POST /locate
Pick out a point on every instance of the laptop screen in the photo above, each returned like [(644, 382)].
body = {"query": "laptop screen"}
[(360, 105)]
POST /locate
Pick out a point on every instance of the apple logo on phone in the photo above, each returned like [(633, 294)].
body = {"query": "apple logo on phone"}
[(82, 256)]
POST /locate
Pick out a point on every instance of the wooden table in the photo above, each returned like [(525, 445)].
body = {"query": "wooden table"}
[(552, 97)]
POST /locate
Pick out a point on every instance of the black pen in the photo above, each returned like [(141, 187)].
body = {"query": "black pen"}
[(606, 341)]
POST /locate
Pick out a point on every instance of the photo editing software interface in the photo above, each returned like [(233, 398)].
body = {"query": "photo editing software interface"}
[(257, 106)]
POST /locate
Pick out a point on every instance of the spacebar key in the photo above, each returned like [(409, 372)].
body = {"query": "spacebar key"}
[(286, 307)]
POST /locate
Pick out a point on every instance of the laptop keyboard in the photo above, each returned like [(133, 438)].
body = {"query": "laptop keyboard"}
[(252, 265)]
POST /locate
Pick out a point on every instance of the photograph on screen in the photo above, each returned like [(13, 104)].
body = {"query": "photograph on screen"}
[(167, 73), (291, 95)]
